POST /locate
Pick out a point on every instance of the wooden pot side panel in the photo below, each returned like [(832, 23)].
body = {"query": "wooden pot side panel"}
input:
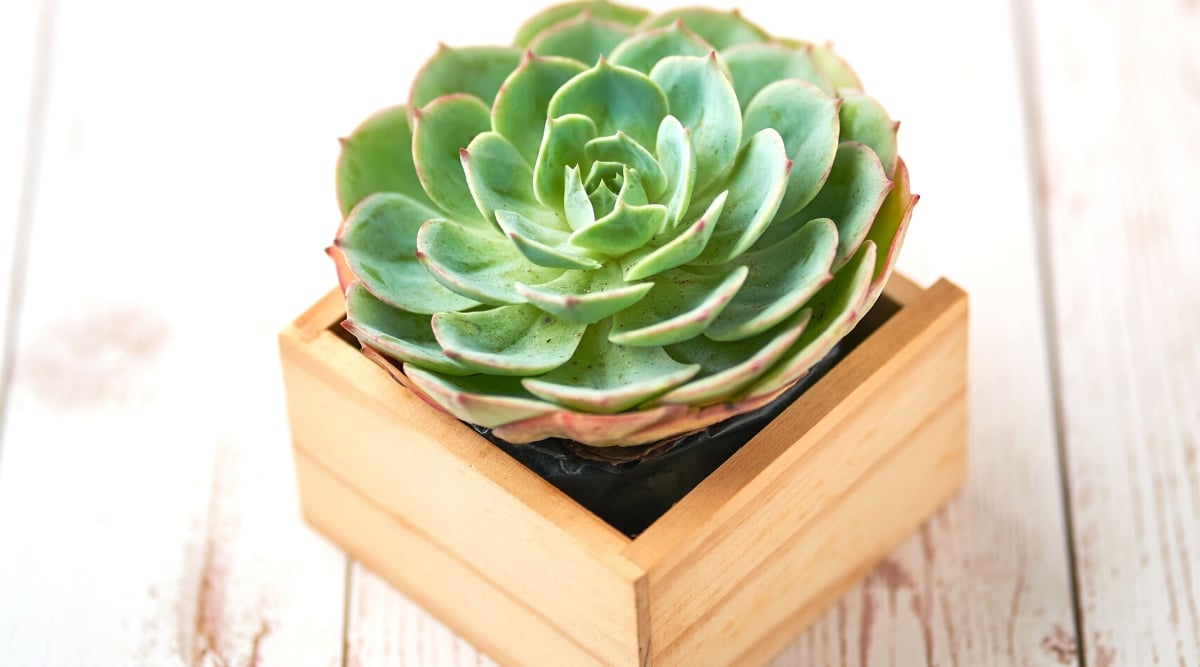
[(903, 388), (824, 561), (346, 416), (436, 579)]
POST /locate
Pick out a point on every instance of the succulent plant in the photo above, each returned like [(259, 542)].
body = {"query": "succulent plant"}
[(622, 228)]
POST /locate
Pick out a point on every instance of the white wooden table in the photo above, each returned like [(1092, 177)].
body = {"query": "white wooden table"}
[(167, 190)]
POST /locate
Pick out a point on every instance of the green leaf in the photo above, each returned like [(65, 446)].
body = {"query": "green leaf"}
[(377, 157), (576, 205), (807, 120), (643, 50), (562, 148), (721, 29), (866, 121), (836, 308), (756, 187), (680, 250), (674, 150), (681, 305), (726, 368), (484, 400), (499, 178), (520, 109), (607, 378), (622, 149), (835, 67), (378, 241), (616, 98), (540, 245), (585, 297), (509, 340), (475, 70), (600, 9), (603, 200), (850, 197), (478, 263), (396, 333), (699, 95), (626, 228), (889, 228), (584, 38), (782, 279), (754, 66), (441, 131)]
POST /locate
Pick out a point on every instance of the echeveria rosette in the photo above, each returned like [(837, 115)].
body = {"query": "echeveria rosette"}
[(621, 229)]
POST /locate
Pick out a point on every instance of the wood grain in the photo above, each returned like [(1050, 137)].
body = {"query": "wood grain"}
[(25, 30), (147, 499), (1119, 129)]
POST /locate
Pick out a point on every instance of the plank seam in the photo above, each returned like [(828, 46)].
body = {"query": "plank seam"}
[(31, 167), (1031, 102)]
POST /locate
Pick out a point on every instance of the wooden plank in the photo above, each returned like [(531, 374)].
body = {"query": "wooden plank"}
[(737, 572), (463, 495), (146, 472), (24, 68), (1119, 133), (437, 578)]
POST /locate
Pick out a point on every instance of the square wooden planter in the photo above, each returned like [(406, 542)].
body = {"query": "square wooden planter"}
[(728, 576)]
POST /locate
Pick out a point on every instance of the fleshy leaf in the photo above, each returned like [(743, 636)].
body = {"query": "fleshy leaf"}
[(605, 377), (754, 66), (519, 112), (616, 98), (674, 150), (441, 131), (644, 49), (699, 95), (562, 148), (477, 263), (836, 309), (621, 148), (576, 205), (889, 228), (865, 120), (680, 250), (626, 228), (484, 400), (601, 9), (377, 157), (721, 29), (378, 242), (726, 368), (756, 186), (540, 245), (585, 297), (499, 178), (509, 340), (835, 67), (624, 428), (398, 334), (782, 279), (807, 120), (850, 197), (584, 38), (603, 199), (679, 307), (475, 70)]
